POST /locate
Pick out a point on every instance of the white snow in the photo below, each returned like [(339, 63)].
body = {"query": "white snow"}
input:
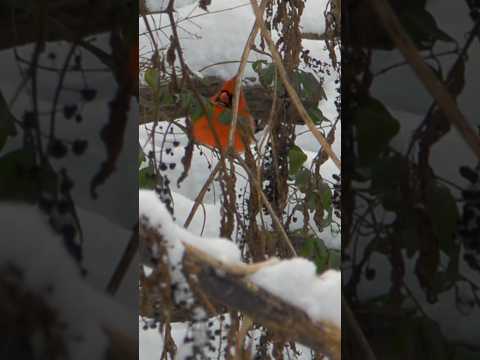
[(220, 34), (31, 246), (312, 20), (154, 210), (295, 281), (160, 5), (205, 222)]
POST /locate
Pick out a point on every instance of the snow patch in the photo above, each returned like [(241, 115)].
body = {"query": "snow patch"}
[(155, 211), (49, 272), (296, 282)]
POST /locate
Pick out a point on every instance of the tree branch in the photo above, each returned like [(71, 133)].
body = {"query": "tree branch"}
[(223, 285), (291, 91)]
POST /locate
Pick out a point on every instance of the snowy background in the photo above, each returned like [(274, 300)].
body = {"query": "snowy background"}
[(212, 37)]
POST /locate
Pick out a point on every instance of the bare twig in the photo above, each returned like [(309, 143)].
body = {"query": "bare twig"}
[(201, 194), (267, 204), (357, 331), (241, 70), (221, 63), (125, 262)]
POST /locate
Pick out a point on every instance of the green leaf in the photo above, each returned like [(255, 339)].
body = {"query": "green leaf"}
[(311, 201), (444, 216), (296, 158), (311, 89), (168, 99), (266, 75), (387, 174), (423, 28), (163, 96), (327, 220), (147, 178), (375, 128), (7, 122), (226, 116), (308, 248), (317, 116), (21, 179), (15, 167), (321, 260), (409, 235), (314, 248), (326, 196), (302, 180), (257, 65), (151, 78), (334, 259), (196, 110), (141, 157), (186, 99)]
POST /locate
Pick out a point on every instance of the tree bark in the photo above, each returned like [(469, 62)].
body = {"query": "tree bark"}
[(219, 287)]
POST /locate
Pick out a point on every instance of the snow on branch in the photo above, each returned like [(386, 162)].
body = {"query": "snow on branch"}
[(285, 296), (45, 300)]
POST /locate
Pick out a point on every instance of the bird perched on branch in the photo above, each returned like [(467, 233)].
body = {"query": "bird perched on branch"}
[(215, 132)]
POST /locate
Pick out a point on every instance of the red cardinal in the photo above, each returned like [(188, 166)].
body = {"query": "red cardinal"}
[(221, 119)]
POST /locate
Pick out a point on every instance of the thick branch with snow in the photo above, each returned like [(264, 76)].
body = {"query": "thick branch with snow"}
[(287, 297)]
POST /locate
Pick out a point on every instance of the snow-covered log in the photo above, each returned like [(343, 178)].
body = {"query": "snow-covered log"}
[(287, 296)]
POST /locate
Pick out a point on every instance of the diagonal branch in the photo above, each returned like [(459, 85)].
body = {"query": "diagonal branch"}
[(291, 91), (437, 90), (241, 70), (266, 309)]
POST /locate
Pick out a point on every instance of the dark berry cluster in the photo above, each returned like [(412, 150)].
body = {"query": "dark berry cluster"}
[(337, 194), (469, 227)]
